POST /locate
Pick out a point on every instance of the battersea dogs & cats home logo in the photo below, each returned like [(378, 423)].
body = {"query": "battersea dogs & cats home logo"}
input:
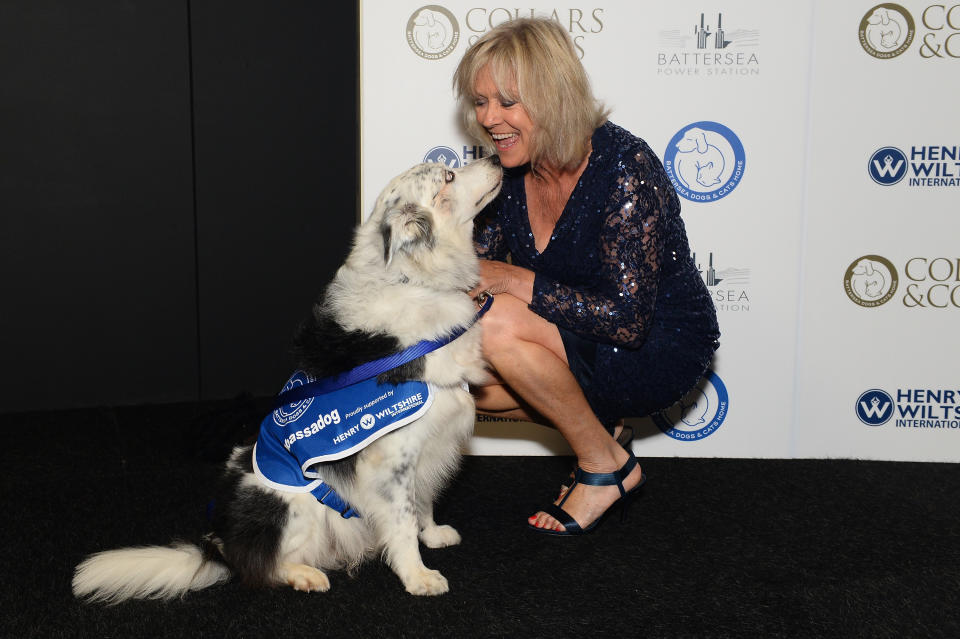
[(432, 32), (886, 31), (292, 412), (870, 280), (699, 413), (705, 161)]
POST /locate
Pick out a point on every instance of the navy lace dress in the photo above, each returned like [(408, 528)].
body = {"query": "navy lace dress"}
[(617, 278)]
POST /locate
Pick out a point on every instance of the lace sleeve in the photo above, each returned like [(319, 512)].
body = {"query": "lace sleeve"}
[(618, 310), (488, 235)]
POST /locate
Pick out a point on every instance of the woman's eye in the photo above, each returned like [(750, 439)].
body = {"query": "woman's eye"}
[(506, 104), (448, 177)]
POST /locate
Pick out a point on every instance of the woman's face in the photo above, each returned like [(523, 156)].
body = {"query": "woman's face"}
[(507, 122)]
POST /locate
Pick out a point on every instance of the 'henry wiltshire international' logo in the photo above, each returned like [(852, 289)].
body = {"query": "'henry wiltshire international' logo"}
[(874, 407), (886, 30), (888, 165), (432, 32), (705, 161), (443, 155), (870, 281)]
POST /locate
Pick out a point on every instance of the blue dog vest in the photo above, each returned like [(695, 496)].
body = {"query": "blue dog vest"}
[(324, 420), (329, 427)]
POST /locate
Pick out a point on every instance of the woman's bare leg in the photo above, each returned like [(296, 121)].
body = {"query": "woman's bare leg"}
[(527, 353)]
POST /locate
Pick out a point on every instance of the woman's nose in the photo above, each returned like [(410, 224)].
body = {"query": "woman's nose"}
[(489, 115)]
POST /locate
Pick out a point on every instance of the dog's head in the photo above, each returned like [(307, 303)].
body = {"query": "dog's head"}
[(427, 211), (694, 139)]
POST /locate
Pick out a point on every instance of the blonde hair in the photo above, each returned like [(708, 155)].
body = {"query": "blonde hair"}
[(532, 61)]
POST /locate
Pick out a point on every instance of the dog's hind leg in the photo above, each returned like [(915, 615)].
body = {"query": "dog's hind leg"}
[(304, 578)]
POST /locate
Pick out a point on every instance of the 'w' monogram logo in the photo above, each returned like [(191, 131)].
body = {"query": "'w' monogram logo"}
[(874, 410), (888, 168)]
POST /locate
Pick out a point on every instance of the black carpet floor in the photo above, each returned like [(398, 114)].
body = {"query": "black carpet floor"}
[(714, 548)]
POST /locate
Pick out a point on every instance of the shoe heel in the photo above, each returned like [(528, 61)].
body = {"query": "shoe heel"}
[(628, 499), (624, 504)]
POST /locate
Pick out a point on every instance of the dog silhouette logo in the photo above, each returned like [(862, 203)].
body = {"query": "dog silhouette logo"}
[(886, 31), (432, 32), (705, 161), (870, 280), (699, 413)]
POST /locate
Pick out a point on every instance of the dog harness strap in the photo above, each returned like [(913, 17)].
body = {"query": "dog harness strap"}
[(377, 366), (327, 496), (290, 441)]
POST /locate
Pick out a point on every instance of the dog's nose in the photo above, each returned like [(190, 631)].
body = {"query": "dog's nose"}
[(495, 160)]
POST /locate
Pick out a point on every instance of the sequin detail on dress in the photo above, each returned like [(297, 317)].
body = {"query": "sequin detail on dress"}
[(617, 269)]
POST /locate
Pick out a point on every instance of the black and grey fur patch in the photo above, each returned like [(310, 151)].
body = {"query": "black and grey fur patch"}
[(406, 372), (249, 523), (406, 229), (323, 348)]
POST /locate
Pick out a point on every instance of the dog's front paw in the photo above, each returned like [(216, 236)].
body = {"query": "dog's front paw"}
[(305, 578), (439, 536), (426, 582)]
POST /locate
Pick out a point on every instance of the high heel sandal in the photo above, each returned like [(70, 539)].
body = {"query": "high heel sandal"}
[(593, 479), (625, 439)]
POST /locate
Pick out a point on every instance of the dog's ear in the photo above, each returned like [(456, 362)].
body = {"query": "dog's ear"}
[(406, 228), (702, 145)]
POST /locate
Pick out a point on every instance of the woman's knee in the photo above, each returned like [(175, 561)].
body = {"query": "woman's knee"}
[(510, 323), (501, 322)]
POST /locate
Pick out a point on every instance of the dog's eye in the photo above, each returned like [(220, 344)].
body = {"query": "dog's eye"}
[(448, 176)]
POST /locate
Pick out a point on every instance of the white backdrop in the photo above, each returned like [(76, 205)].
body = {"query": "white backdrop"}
[(836, 126)]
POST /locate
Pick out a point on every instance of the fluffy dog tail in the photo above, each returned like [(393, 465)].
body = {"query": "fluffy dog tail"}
[(151, 572)]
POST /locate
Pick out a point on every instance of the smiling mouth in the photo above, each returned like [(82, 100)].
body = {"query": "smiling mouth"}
[(504, 141)]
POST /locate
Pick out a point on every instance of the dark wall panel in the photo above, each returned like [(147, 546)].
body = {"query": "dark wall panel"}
[(275, 121), (97, 296)]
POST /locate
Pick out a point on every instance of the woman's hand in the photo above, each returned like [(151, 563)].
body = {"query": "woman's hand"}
[(500, 277)]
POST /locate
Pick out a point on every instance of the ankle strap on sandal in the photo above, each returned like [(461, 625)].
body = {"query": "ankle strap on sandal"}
[(607, 479)]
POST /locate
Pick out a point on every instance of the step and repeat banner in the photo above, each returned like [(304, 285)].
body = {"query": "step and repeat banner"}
[(829, 237)]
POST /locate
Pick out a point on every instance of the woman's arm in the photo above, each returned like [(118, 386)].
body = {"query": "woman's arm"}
[(620, 308)]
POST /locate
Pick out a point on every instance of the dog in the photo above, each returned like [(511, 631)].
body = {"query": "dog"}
[(404, 281), (867, 279), (698, 161), (883, 29)]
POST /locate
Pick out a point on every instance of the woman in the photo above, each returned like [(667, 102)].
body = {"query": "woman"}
[(600, 313)]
